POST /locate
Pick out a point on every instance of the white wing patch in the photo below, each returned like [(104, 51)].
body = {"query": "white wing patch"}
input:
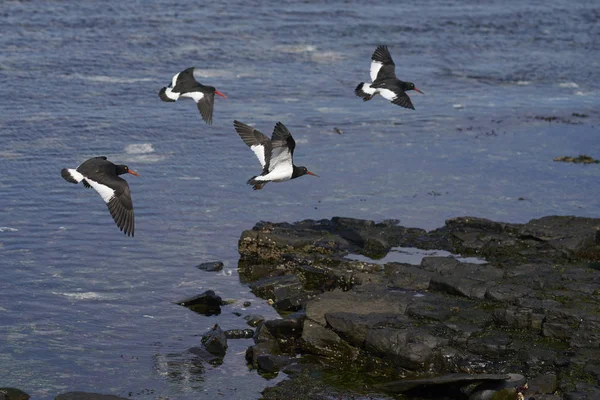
[(76, 175), (283, 159), (375, 67), (368, 89), (197, 96), (105, 192), (174, 81), (259, 150), (388, 94)]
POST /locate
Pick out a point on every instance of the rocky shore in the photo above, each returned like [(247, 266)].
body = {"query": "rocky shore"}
[(522, 323)]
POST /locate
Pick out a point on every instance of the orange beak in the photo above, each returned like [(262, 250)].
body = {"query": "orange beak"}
[(220, 94), (310, 173), (419, 91), (133, 173)]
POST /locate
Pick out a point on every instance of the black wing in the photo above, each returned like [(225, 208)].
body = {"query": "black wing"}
[(206, 104), (121, 208), (382, 65), (185, 81), (283, 138), (403, 100), (258, 143)]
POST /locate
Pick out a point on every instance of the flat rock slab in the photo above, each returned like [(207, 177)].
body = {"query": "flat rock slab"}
[(405, 385), (88, 396), (213, 266)]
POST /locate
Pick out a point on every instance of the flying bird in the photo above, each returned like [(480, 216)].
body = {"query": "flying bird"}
[(185, 85), (103, 176), (385, 83), (275, 154)]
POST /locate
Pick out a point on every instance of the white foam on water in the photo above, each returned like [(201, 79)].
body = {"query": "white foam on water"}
[(568, 85), (8, 229), (82, 295), (298, 48), (139, 148), (107, 79), (523, 83), (326, 56), (458, 106)]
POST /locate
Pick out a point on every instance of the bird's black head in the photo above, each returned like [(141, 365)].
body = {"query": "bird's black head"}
[(299, 171), (411, 86), (124, 169)]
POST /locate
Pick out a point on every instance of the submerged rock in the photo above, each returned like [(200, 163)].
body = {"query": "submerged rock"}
[(207, 303), (213, 266)]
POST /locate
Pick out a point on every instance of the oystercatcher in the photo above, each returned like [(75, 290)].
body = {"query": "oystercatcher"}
[(275, 155), (185, 85), (103, 176), (383, 75)]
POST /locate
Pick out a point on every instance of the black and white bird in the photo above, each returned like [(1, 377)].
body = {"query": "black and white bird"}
[(185, 85), (103, 176), (275, 154), (385, 83)]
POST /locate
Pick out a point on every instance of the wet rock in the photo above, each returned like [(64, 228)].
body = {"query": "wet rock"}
[(213, 266), (412, 348), (405, 385), (321, 341), (354, 327), (204, 356), (547, 383), (261, 349), (215, 341), (531, 309), (581, 159), (247, 304), (87, 396), (10, 393), (583, 391), (407, 276), (207, 303), (498, 389), (364, 300), (254, 319), (272, 363), (286, 291), (239, 333)]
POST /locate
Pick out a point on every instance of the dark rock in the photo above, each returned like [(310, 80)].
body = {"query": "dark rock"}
[(215, 341), (583, 391), (354, 327), (207, 303), (407, 276), (290, 327), (10, 393), (272, 363), (286, 291), (213, 266), (412, 348), (260, 349), (204, 356), (247, 304), (405, 385), (87, 396), (239, 333), (321, 341), (547, 383), (373, 297), (254, 319), (459, 286)]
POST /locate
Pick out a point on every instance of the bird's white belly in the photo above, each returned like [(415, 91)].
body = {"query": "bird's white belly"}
[(279, 174)]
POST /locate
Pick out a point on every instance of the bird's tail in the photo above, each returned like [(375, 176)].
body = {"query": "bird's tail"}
[(365, 91), (71, 175), (256, 184), (164, 96)]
